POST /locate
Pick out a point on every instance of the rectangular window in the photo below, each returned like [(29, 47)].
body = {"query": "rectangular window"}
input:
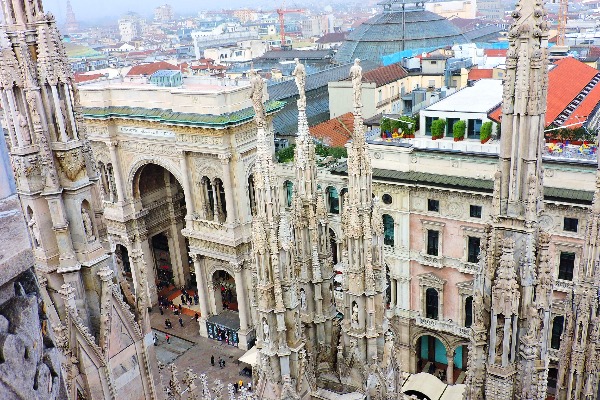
[(566, 266), (428, 121), (433, 238), (475, 211), (433, 62), (473, 128), (570, 224), (450, 124), (433, 205), (473, 249)]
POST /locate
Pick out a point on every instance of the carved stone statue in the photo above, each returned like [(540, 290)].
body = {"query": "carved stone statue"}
[(299, 74), (24, 127), (356, 76), (87, 225), (35, 231), (256, 95), (266, 332), (302, 300), (355, 315)]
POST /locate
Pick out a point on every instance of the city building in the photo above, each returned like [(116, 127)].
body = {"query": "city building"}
[(130, 27), (163, 13), (224, 34), (453, 8)]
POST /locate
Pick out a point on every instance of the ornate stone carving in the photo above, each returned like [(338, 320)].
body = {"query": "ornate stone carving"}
[(71, 163)]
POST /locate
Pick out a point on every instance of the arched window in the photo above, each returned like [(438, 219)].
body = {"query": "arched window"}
[(557, 328), (431, 303), (388, 288), (388, 230), (469, 311), (333, 200), (288, 190), (251, 194)]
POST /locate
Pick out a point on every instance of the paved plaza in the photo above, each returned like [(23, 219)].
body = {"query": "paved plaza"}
[(187, 349)]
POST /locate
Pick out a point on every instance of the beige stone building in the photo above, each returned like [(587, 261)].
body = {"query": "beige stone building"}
[(176, 167)]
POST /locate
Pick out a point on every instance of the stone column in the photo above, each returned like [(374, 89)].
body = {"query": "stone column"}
[(394, 286), (174, 255), (450, 368), (187, 188), (10, 123), (116, 164), (242, 298), (69, 104), (215, 196), (228, 187), (202, 291)]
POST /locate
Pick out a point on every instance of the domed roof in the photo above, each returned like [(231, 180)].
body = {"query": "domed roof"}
[(396, 30)]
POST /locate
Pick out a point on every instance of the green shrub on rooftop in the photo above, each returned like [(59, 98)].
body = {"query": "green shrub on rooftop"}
[(437, 128)]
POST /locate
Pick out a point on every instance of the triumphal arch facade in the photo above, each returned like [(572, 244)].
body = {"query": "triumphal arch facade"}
[(176, 168)]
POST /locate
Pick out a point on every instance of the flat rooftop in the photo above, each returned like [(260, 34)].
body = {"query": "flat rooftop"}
[(484, 95)]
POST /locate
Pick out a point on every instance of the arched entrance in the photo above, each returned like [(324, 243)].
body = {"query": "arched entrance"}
[(225, 291), (225, 324), (447, 362), (159, 199)]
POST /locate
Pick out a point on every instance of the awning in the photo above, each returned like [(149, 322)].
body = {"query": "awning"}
[(426, 384), (453, 392), (250, 357)]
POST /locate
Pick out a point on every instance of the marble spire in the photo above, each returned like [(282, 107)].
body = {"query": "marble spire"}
[(364, 322), (278, 319), (512, 299), (578, 367), (312, 248)]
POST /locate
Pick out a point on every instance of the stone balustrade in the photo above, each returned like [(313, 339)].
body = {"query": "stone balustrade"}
[(443, 326)]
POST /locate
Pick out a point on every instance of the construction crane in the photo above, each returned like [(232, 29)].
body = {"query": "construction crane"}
[(563, 10), (281, 12)]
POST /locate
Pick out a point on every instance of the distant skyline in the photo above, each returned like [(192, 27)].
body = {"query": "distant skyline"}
[(87, 11)]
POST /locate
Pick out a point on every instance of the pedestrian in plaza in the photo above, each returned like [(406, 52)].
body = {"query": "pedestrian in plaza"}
[(250, 386), (154, 338), (180, 308), (168, 337), (212, 360), (196, 316), (241, 383), (161, 309), (235, 387), (182, 298), (196, 298), (181, 321)]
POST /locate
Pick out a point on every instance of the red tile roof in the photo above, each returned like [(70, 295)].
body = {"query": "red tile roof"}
[(384, 75), (149, 69), (585, 108), (565, 82), (495, 52), (476, 74), (84, 78), (336, 132)]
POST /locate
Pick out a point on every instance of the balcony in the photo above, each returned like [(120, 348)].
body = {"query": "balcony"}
[(563, 286), (468, 268), (432, 261), (443, 326)]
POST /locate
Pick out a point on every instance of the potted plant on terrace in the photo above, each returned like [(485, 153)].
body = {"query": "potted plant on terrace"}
[(385, 127), (458, 130), (486, 132), (437, 128)]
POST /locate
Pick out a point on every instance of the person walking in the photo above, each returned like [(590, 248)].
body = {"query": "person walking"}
[(235, 387), (161, 309), (212, 360), (168, 337), (241, 383), (181, 321), (249, 386)]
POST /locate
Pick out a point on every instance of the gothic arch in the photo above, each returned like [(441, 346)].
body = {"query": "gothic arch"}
[(140, 162), (207, 169)]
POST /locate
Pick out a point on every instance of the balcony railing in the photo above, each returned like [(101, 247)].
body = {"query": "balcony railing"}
[(443, 326), (563, 286)]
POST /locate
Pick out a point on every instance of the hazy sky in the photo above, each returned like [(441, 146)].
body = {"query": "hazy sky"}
[(95, 10)]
